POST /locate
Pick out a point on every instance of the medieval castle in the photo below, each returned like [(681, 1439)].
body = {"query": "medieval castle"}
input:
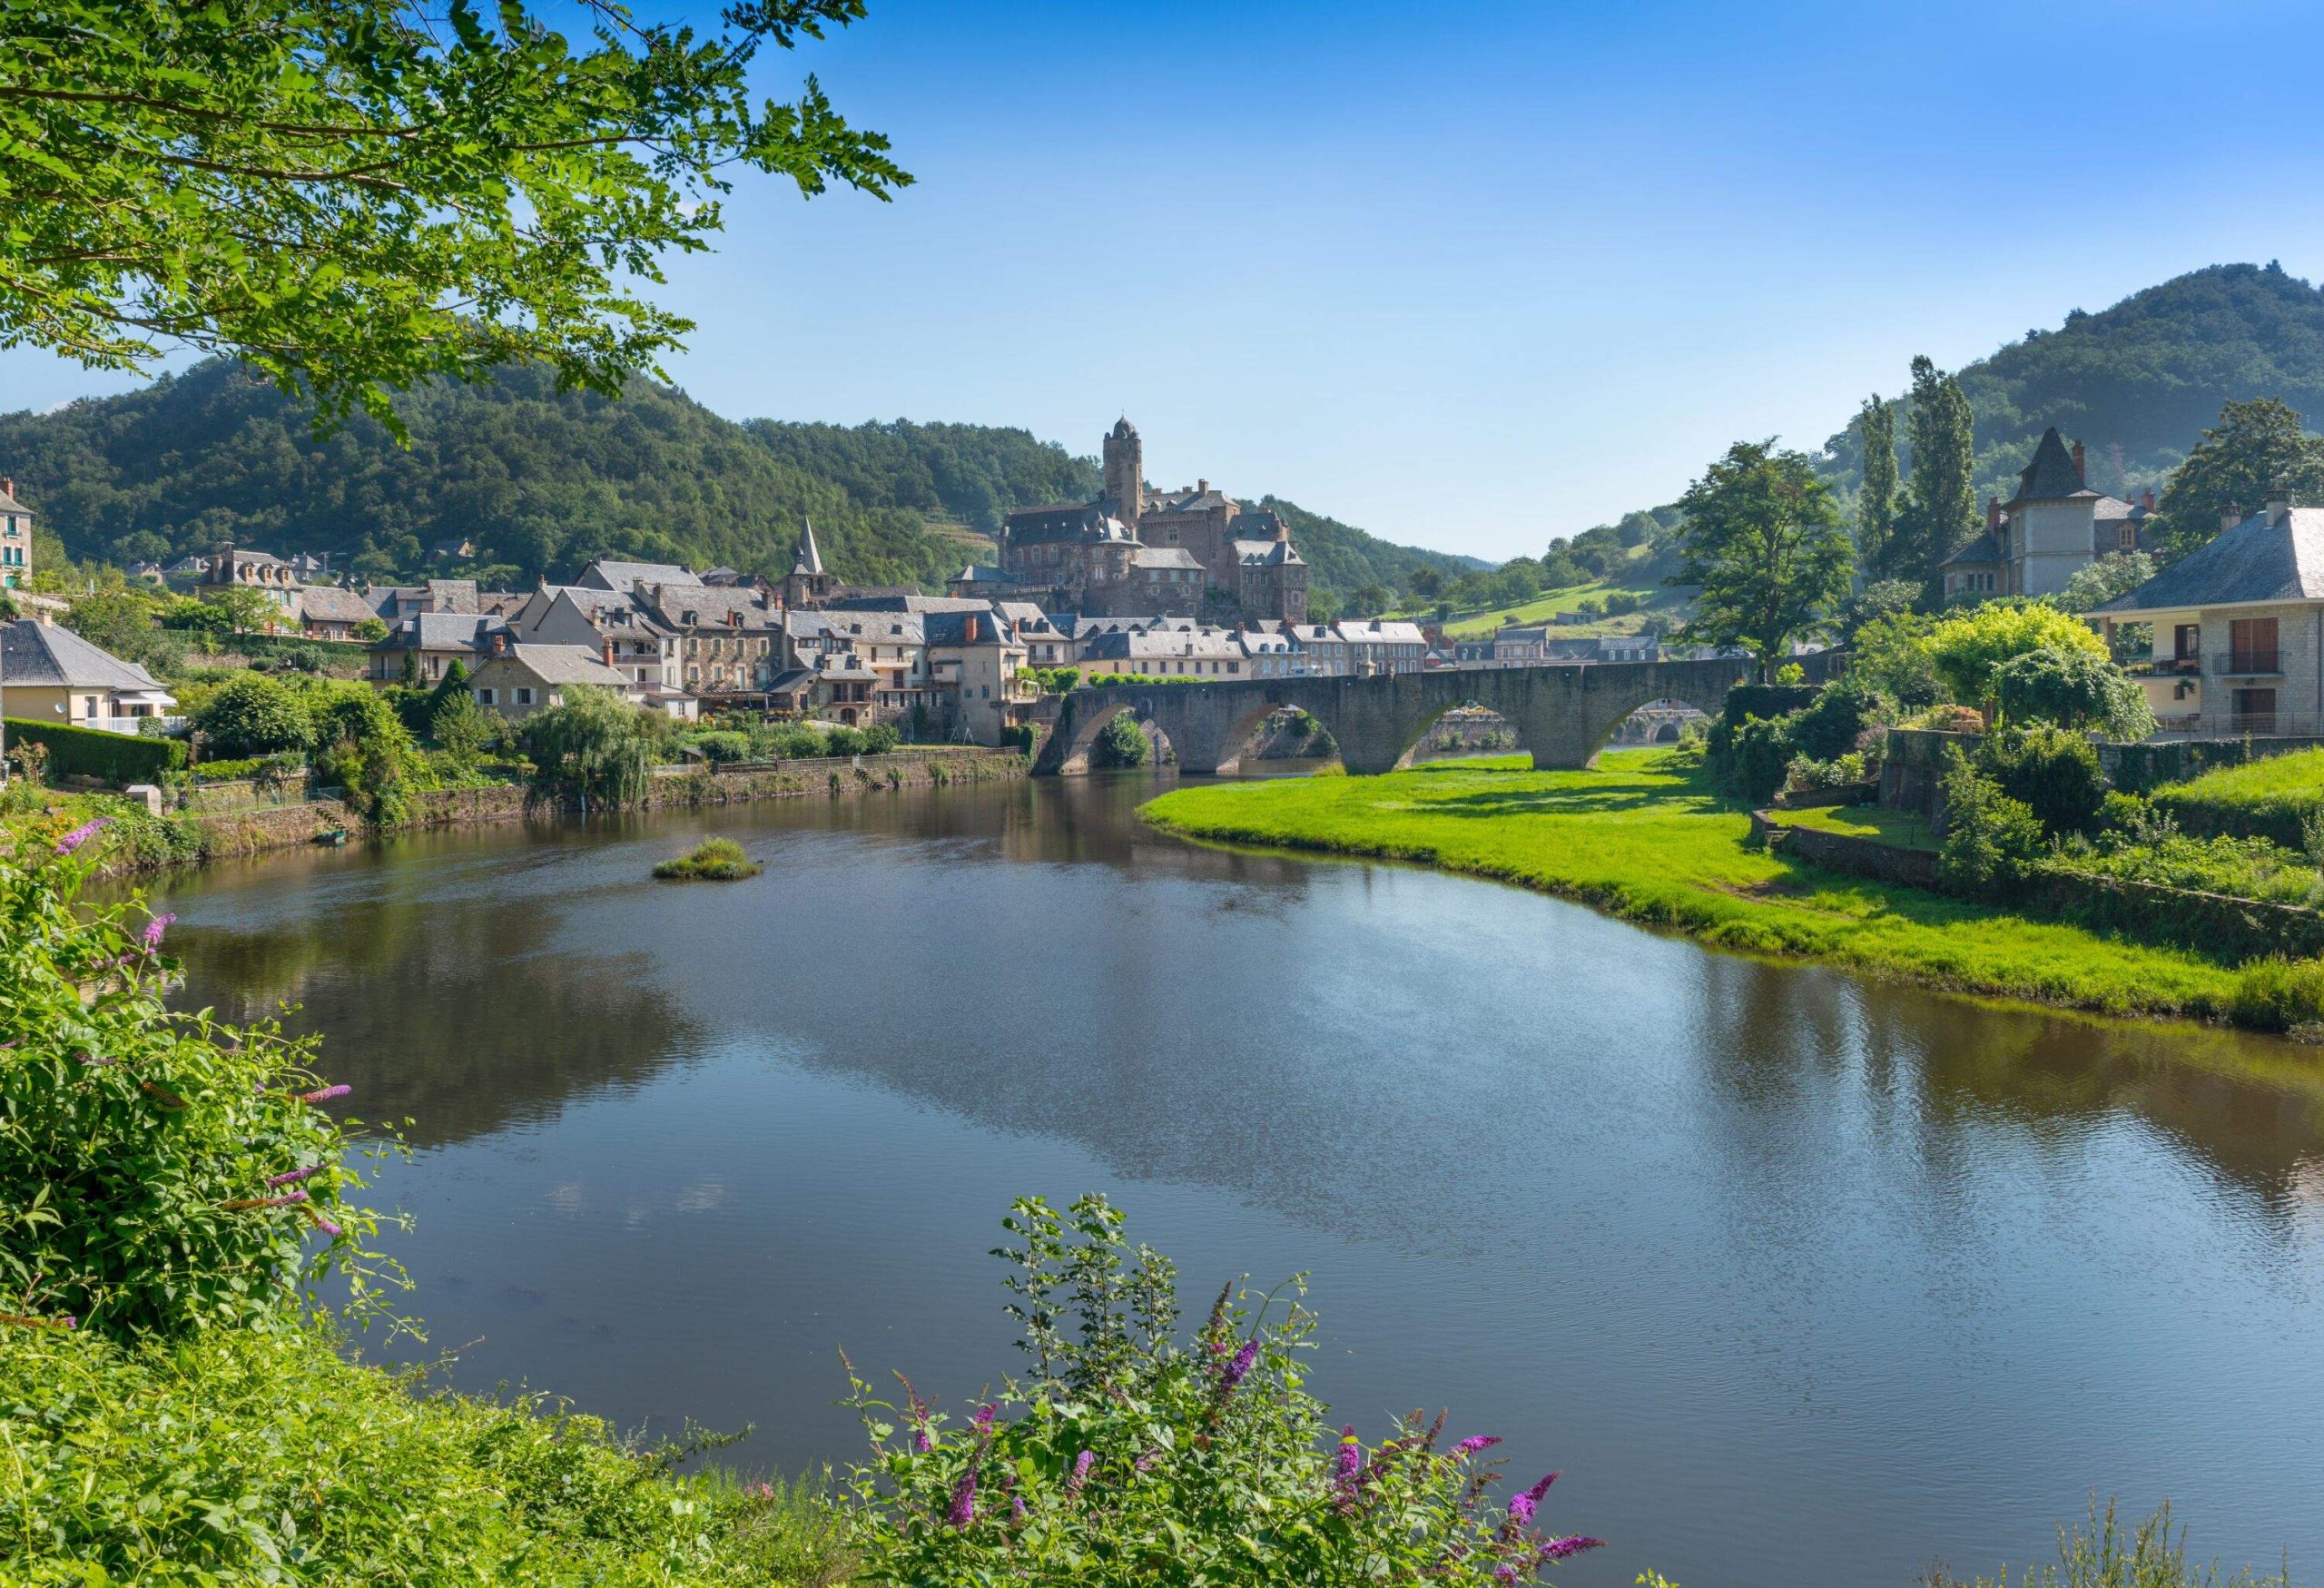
[(1135, 552)]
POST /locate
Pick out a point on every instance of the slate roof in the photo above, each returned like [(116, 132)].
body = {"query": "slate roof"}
[(1983, 549), (561, 665), (2051, 476), (604, 574), (708, 606), (1081, 521), (9, 503), (883, 629), (1267, 553), (333, 604), (951, 629), (1165, 557), (2255, 561), (437, 631), (34, 653)]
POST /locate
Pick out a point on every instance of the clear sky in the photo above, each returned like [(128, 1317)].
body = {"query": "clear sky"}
[(1471, 274)]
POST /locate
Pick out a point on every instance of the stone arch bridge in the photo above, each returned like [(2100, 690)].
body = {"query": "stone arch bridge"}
[(1562, 715)]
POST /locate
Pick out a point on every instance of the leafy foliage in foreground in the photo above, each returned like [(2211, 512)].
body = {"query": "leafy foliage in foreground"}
[(1124, 1457), (160, 1174), (2104, 1553), (263, 1457)]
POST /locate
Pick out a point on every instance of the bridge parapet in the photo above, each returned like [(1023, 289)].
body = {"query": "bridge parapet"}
[(1563, 714)]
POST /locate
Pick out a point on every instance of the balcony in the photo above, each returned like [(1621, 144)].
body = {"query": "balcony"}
[(2252, 664)]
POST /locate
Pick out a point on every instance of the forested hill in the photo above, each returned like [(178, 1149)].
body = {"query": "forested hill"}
[(2138, 382), (541, 480)]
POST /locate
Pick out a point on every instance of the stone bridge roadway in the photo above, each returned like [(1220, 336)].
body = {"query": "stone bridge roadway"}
[(1562, 713)]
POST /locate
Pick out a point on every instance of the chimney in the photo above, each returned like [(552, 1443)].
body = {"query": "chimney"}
[(2279, 504), (1992, 512), (7, 486), (2081, 473), (2230, 517), (969, 630), (1202, 485), (2146, 498), (609, 653)]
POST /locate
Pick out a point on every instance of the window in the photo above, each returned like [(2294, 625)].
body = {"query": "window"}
[(524, 695), (2187, 642), (2255, 711), (2251, 646), (483, 697)]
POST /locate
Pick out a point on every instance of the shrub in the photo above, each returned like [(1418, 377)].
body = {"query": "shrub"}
[(160, 1173), (2054, 773), (119, 758), (796, 742), (271, 768), (303, 658), (2277, 797), (1991, 840), (725, 746), (842, 741), (1748, 760), (716, 860), (1127, 1457), (1120, 743), (460, 727), (880, 738), (2073, 689), (285, 1463), (255, 715), (1967, 647), (2102, 1555), (2280, 995), (1834, 721), (1019, 736)]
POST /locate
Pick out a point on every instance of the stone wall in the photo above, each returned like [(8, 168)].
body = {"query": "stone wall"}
[(1913, 766), (2216, 925), (253, 832), (1854, 856), (834, 775), (2142, 768)]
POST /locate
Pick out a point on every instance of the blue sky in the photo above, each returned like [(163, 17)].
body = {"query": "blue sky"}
[(1475, 274)]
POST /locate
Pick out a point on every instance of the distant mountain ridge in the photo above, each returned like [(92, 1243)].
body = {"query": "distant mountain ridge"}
[(2138, 382), (541, 480)]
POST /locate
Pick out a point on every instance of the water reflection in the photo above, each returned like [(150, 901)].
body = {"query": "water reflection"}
[(1859, 1271)]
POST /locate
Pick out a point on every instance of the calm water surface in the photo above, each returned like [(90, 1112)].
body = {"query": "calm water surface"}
[(1800, 1280)]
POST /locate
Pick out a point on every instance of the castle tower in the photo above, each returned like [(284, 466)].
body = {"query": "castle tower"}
[(1124, 487)]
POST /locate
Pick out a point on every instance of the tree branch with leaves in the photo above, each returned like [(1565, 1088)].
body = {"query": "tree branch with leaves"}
[(357, 195), (1762, 541)]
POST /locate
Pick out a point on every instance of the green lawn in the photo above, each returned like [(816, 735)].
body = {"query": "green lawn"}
[(2269, 798), (1902, 828), (1657, 599), (1642, 837)]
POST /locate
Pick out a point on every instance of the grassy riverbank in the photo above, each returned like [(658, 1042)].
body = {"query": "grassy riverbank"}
[(1643, 837)]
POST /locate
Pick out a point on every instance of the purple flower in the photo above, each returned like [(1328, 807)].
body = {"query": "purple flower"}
[(94, 1063), (294, 1177), (1538, 1490), (82, 834), (1082, 1464), (1241, 1365), (1476, 1442), (70, 1322), (1558, 1549), (1504, 1574), (1349, 1462), (964, 1495), (154, 930), (327, 1227), (920, 1443), (983, 1419), (324, 1094), (1521, 1509), (1017, 1507)]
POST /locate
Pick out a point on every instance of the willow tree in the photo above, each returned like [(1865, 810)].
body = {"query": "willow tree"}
[(1944, 509), (356, 196), (1763, 541), (595, 746), (1875, 513)]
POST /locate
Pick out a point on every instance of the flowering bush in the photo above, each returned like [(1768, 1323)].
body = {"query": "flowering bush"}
[(160, 1173), (1124, 1456)]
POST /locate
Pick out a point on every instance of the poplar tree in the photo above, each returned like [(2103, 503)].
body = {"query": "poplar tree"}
[(1944, 510), (1875, 514)]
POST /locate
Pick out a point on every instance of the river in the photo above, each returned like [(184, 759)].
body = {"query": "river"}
[(1800, 1280)]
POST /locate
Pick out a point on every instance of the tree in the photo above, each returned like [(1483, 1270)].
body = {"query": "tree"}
[(1120, 743), (1875, 513), (1968, 647), (2256, 448), (244, 609), (1370, 599), (2073, 689), (358, 196), (255, 715), (1761, 542), (1943, 512), (594, 747), (2116, 573), (462, 730)]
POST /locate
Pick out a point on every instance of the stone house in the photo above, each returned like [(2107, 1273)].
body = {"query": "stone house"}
[(1382, 645), (273, 577), (974, 659), (2054, 527), (1169, 653), (51, 675), (427, 642), (890, 645), (730, 637), (516, 681), (622, 577), (2237, 628), (16, 537), (610, 624), (331, 612)]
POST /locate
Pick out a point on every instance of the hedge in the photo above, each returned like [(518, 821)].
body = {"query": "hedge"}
[(1767, 700), (122, 758)]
